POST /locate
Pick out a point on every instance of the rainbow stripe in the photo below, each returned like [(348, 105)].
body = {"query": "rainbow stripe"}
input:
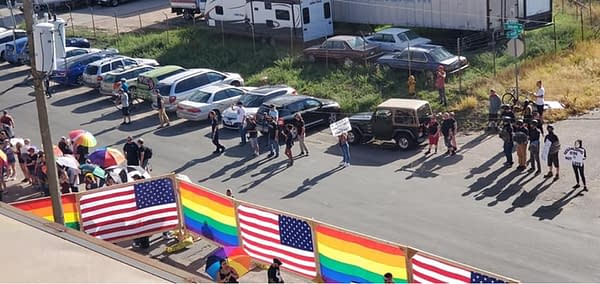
[(345, 257), (42, 207), (209, 214)]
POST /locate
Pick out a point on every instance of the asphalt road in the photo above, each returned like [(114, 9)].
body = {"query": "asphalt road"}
[(467, 207)]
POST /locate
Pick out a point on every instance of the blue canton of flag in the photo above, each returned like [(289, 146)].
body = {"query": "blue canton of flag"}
[(480, 278), (295, 233), (154, 193)]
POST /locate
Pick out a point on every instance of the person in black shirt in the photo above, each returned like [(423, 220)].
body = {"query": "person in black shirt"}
[(299, 123), (433, 131), (273, 274), (214, 124), (534, 147), (252, 134), (273, 134), (289, 143), (448, 129), (507, 112), (553, 152), (81, 153), (64, 147), (506, 134), (521, 137), (132, 152)]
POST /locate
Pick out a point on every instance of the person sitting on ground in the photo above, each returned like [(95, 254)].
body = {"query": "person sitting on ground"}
[(227, 274)]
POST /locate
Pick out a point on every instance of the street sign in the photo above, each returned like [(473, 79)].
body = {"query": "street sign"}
[(515, 47), (513, 29)]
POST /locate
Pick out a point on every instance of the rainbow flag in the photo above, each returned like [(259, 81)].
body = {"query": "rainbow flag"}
[(345, 258), (42, 207), (209, 214)]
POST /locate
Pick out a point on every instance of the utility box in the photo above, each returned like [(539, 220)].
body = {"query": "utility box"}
[(59, 38), (43, 39)]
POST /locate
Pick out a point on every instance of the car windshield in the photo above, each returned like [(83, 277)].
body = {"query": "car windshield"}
[(200, 97), (356, 43), (169, 74), (164, 89), (109, 78), (440, 54), (409, 34), (250, 100)]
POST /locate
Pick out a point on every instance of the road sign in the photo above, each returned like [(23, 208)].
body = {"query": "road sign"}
[(512, 34), (513, 29), (515, 47)]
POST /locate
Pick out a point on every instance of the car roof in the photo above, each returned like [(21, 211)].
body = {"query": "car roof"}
[(403, 103), (424, 47), (215, 87), (126, 69), (392, 31), (162, 69), (106, 60), (5, 30), (342, 37), (266, 90), (184, 74)]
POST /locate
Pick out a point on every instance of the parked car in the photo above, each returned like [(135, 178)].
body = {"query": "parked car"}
[(424, 58), (148, 80), (16, 52), (215, 97), (401, 120), (180, 87), (396, 39), (77, 42), (7, 36), (93, 74), (112, 3), (344, 49), (314, 111), (76, 51), (252, 100), (71, 73), (130, 73)]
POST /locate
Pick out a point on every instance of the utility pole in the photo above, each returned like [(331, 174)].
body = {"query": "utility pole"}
[(40, 101)]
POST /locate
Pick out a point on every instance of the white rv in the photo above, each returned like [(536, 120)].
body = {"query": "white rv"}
[(303, 20)]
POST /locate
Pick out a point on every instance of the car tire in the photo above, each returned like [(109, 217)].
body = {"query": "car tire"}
[(114, 3), (187, 15), (354, 137), (311, 58), (403, 141)]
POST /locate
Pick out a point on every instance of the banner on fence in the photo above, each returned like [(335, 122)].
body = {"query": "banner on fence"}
[(266, 235), (209, 214), (430, 269), (42, 207), (128, 211), (347, 257)]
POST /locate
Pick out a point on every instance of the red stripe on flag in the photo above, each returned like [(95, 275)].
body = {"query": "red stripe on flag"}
[(440, 271), (129, 218), (270, 257), (110, 212), (104, 197), (252, 234), (151, 230)]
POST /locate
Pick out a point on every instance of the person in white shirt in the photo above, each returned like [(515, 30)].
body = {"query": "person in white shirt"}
[(577, 155), (273, 113), (241, 119), (539, 98)]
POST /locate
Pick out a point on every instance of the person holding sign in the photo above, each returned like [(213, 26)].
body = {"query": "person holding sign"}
[(554, 147), (577, 155)]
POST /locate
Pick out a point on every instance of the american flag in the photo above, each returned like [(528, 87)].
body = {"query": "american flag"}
[(266, 236), (133, 210), (428, 270)]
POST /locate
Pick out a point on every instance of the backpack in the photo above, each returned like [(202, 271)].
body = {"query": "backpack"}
[(148, 153)]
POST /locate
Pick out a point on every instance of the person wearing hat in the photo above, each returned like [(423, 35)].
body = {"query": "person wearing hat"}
[(534, 147), (124, 86), (521, 138), (160, 105), (440, 84), (507, 111), (552, 158), (506, 134), (90, 181), (274, 274)]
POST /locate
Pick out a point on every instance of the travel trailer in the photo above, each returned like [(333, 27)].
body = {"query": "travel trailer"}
[(301, 20)]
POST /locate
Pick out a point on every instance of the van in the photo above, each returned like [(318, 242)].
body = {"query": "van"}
[(93, 74), (16, 52)]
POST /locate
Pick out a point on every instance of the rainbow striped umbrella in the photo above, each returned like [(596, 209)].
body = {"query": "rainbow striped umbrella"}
[(236, 258), (86, 139), (74, 133), (3, 158), (106, 157)]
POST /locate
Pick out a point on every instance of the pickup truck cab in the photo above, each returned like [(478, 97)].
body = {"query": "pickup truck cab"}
[(400, 120)]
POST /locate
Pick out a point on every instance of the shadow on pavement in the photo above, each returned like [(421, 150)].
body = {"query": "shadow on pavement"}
[(308, 183), (549, 212), (226, 168), (427, 167), (474, 142), (495, 189), (371, 155), (194, 162), (484, 181), (248, 168), (94, 104), (74, 99), (268, 172), (512, 189), (527, 198), (486, 166), (13, 75), (18, 105), (177, 129)]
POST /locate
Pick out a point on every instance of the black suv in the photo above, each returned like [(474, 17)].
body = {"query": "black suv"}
[(401, 120), (314, 111)]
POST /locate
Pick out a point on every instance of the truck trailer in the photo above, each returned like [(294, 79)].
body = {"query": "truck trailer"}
[(188, 8), (466, 15)]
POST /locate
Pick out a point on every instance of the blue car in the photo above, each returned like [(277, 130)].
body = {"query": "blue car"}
[(71, 73), (424, 58), (17, 52)]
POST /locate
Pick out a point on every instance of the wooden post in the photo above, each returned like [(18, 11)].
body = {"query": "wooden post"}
[(582, 36), (236, 204), (181, 230), (117, 25), (140, 18), (494, 51), (313, 226), (93, 22), (555, 39), (408, 254)]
